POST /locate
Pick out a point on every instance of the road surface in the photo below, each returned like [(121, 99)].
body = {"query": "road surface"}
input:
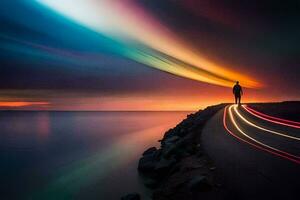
[(257, 156)]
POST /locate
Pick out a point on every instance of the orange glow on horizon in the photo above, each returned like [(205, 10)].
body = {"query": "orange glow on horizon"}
[(22, 103), (181, 97)]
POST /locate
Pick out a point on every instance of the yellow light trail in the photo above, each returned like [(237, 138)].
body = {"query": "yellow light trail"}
[(263, 129)]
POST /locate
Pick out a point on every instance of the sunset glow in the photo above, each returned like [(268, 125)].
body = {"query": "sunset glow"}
[(133, 55), (22, 104), (94, 89)]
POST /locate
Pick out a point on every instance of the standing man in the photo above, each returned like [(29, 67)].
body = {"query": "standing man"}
[(238, 92)]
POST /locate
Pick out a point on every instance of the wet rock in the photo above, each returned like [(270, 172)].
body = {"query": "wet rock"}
[(150, 151), (133, 196)]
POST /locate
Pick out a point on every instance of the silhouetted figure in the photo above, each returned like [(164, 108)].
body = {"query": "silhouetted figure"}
[(238, 92)]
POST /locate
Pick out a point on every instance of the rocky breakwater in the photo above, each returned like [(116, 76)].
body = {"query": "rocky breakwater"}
[(180, 169)]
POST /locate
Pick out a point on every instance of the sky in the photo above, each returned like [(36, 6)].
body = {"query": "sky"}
[(146, 55)]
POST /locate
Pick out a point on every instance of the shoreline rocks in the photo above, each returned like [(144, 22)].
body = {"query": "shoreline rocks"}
[(179, 169)]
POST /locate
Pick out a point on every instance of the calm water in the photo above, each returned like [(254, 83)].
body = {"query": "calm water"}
[(76, 155)]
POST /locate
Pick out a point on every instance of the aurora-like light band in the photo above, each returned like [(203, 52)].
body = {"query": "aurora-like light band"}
[(146, 40)]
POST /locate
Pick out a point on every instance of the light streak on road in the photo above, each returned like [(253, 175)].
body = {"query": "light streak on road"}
[(251, 138), (264, 129), (272, 119), (255, 143)]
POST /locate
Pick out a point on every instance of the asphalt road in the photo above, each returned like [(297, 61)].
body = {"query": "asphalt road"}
[(257, 156)]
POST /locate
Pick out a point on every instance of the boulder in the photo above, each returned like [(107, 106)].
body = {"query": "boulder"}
[(150, 151), (164, 165), (212, 168), (169, 133), (199, 183), (151, 182), (191, 149), (182, 132), (177, 148), (133, 196), (157, 154), (169, 150), (171, 140), (147, 163)]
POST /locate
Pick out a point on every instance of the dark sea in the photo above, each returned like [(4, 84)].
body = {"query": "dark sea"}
[(76, 155)]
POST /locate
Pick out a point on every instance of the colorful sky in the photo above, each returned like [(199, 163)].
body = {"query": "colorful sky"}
[(146, 55)]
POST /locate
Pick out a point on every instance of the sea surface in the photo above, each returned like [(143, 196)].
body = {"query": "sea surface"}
[(76, 155)]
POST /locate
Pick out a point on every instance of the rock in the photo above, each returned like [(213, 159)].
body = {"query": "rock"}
[(197, 166), (192, 115), (133, 196), (212, 168), (199, 183), (168, 170), (150, 182), (150, 151), (191, 149), (169, 133), (174, 169), (147, 163), (199, 153), (157, 154), (168, 151), (168, 193), (181, 153), (171, 140), (164, 165), (200, 121), (182, 132), (219, 185)]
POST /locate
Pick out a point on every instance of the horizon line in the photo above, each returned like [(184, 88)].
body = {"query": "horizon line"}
[(98, 110)]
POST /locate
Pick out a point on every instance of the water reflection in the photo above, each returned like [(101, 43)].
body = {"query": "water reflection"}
[(42, 126), (76, 155)]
